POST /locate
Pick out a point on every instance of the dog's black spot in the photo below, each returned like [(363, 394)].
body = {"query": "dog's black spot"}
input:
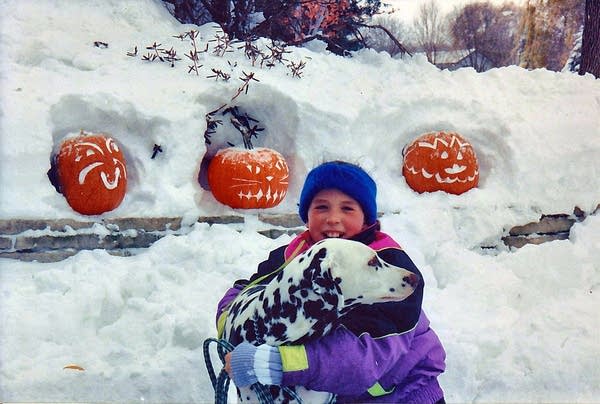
[(313, 308), (236, 335), (277, 298), (305, 283), (288, 310), (292, 289), (278, 330), (326, 282), (330, 298), (393, 290), (249, 330)]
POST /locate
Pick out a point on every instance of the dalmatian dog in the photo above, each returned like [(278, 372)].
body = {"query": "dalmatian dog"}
[(308, 297)]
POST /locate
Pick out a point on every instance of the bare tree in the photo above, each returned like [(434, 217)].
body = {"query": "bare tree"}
[(380, 40), (430, 29), (590, 48), (488, 29)]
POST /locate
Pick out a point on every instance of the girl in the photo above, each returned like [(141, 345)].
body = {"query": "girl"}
[(385, 352)]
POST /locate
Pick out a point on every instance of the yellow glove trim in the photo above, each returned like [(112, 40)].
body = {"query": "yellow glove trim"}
[(377, 390), (293, 358)]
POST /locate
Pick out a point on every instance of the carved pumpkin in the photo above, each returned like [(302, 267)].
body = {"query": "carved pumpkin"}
[(92, 173), (248, 179), (440, 161)]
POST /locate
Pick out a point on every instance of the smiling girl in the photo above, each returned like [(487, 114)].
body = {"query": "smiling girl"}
[(380, 353)]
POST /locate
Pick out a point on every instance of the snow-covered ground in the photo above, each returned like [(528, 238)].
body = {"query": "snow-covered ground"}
[(518, 326)]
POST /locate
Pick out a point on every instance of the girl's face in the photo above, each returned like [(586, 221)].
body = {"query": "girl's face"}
[(333, 213)]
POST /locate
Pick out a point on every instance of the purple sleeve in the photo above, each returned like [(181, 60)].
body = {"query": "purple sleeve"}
[(225, 300), (343, 363)]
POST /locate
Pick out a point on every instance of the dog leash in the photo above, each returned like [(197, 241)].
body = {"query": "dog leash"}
[(221, 382)]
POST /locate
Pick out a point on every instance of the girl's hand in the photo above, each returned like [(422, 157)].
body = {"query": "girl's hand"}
[(248, 364), (228, 364)]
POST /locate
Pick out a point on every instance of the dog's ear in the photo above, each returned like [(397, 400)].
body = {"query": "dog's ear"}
[(375, 262), (319, 274)]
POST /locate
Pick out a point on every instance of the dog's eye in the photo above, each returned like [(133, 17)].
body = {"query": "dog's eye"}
[(374, 262)]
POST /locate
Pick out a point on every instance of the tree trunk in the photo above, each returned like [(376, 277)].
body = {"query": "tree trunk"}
[(590, 47)]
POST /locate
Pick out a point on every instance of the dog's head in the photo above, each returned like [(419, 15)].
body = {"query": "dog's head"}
[(362, 276)]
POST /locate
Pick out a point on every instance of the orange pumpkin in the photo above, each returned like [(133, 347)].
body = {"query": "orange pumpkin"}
[(440, 161), (248, 179), (92, 173)]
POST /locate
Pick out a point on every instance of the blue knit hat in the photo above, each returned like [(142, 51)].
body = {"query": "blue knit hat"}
[(346, 177)]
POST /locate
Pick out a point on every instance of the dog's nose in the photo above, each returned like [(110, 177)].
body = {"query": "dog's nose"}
[(412, 280)]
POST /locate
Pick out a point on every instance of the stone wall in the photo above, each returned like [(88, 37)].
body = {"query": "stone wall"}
[(54, 240)]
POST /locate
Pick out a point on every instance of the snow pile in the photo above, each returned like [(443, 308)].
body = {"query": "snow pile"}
[(517, 326)]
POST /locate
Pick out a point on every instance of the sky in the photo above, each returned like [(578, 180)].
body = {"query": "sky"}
[(517, 325), (407, 10)]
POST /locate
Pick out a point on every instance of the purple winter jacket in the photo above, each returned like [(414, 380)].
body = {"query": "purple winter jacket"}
[(380, 353)]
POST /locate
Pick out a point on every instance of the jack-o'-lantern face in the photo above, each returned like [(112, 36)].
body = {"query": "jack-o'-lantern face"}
[(440, 161), (248, 179), (92, 173)]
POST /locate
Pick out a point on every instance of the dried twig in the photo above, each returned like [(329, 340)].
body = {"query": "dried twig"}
[(155, 150), (251, 51), (170, 56), (242, 122), (212, 124), (193, 55), (134, 53), (223, 44), (160, 54), (244, 87), (152, 56), (277, 52), (296, 68), (218, 74)]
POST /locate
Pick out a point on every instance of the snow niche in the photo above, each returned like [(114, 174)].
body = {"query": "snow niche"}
[(272, 119), (148, 144)]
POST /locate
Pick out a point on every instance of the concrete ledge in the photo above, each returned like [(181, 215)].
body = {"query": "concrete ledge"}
[(548, 224), (87, 241), (548, 228), (520, 241), (54, 240)]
